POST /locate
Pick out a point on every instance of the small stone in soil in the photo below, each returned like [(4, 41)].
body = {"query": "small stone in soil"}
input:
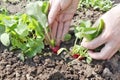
[(107, 72)]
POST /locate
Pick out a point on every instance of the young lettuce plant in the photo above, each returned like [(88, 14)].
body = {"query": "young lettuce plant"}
[(89, 33)]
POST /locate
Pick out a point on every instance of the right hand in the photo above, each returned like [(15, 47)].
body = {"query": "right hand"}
[(60, 16), (110, 36)]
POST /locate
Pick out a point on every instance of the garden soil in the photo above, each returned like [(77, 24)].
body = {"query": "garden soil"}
[(55, 67)]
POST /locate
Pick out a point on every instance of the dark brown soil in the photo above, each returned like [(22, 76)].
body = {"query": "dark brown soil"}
[(117, 1), (51, 66)]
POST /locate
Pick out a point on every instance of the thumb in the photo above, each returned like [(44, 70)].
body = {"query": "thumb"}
[(98, 41), (55, 8)]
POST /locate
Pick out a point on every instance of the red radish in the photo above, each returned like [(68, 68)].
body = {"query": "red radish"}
[(76, 56), (55, 49)]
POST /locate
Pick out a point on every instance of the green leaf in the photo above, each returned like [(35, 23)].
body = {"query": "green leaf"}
[(5, 40), (2, 29), (79, 35), (52, 43), (35, 10), (67, 37), (103, 5), (45, 7), (100, 27), (22, 57), (9, 22), (61, 50), (89, 60), (1, 17), (87, 23), (21, 29), (38, 28), (88, 32), (26, 31), (35, 47)]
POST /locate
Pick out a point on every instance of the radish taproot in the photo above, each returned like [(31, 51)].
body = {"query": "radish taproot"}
[(75, 56), (55, 49)]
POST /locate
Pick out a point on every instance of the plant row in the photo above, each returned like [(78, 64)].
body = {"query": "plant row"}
[(28, 32)]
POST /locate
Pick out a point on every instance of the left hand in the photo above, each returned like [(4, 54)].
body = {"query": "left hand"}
[(110, 36), (60, 16)]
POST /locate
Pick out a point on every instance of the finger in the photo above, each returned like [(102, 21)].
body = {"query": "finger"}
[(54, 30), (66, 28), (115, 49), (60, 18), (51, 1), (59, 33), (53, 11), (67, 17), (95, 42), (105, 53), (72, 8), (65, 4)]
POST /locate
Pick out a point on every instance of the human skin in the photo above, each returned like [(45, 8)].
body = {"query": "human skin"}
[(60, 16), (110, 36)]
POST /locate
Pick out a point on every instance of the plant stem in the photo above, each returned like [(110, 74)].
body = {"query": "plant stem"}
[(46, 32), (75, 41)]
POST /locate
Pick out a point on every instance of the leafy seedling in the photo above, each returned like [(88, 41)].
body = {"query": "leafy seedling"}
[(103, 5), (39, 11), (85, 31), (67, 37), (26, 31)]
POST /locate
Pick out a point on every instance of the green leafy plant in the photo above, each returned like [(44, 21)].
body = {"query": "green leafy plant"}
[(67, 37), (103, 5), (85, 31), (26, 31), (35, 10)]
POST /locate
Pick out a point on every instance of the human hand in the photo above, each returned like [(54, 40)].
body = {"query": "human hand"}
[(109, 37), (59, 17)]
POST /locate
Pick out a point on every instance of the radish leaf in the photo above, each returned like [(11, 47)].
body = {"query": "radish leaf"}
[(4, 38)]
